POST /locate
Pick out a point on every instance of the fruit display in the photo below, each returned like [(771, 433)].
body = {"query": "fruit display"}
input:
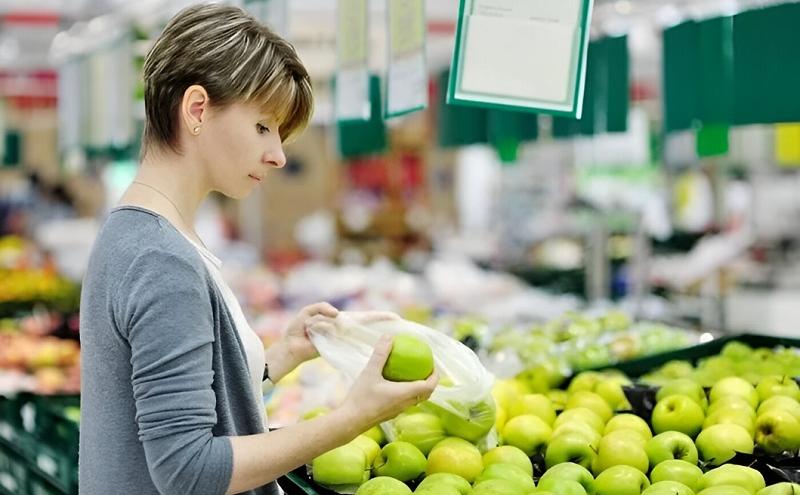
[(52, 363), (20, 290)]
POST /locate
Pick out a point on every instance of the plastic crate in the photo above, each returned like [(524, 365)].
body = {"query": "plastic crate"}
[(13, 471), (52, 464), (40, 486), (53, 424)]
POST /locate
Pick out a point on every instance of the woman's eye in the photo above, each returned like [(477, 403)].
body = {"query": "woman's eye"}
[(262, 129)]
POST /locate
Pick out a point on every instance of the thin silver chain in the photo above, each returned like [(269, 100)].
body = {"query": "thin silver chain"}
[(173, 205)]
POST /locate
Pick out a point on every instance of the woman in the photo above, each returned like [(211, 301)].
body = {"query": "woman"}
[(171, 383)]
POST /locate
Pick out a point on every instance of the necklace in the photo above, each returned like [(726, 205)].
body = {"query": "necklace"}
[(173, 205)]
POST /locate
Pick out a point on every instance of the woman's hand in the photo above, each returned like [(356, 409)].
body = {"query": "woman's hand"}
[(298, 344)]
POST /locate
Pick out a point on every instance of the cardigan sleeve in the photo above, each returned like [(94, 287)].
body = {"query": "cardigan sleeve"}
[(168, 322)]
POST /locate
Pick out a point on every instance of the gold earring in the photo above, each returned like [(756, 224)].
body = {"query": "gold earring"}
[(196, 130)]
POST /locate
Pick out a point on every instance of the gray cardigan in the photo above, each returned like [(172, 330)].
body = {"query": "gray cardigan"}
[(164, 379)]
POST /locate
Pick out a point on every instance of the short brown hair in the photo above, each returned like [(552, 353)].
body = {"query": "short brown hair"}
[(235, 58)]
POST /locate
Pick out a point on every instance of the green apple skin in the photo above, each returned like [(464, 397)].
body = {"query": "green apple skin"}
[(528, 433), (629, 422), (732, 403), (345, 465), (731, 474), (678, 413), (585, 380), (680, 471), (400, 460), (456, 456), (376, 434), (569, 471), (725, 490), (583, 415), (671, 445), (508, 454), (439, 490), (570, 447), (777, 431), (558, 398), (480, 419), (581, 428), (734, 386), (668, 488), (784, 488), (383, 486), (496, 487), (780, 402), (411, 359), (536, 404), (561, 487), (446, 479), (621, 480), (591, 401), (611, 391), (741, 418), (770, 386), (369, 446), (422, 429), (684, 386), (508, 472), (719, 443), (621, 448)]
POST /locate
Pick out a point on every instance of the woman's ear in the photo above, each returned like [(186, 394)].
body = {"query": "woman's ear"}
[(194, 108)]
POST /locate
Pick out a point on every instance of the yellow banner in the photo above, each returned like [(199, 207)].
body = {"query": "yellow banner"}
[(787, 145)]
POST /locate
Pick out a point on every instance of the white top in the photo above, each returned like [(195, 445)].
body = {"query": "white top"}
[(253, 346)]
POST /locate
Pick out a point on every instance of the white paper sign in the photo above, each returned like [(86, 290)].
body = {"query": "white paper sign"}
[(407, 85)]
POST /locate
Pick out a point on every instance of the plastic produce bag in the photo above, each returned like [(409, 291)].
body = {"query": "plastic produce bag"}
[(465, 385)]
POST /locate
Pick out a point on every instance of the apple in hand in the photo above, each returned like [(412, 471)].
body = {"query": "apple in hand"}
[(668, 488), (629, 422), (508, 472), (399, 460), (678, 413), (581, 415), (508, 454), (621, 447), (421, 429), (528, 433), (343, 466), (784, 488), (410, 359), (680, 471), (719, 443), (568, 471), (536, 404), (621, 480), (383, 486), (570, 447), (456, 456), (437, 480), (473, 424), (777, 385), (671, 445), (734, 386), (731, 474), (777, 431)]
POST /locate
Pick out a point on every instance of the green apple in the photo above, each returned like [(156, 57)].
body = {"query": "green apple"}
[(582, 428), (719, 443), (568, 471), (536, 404), (446, 479), (472, 424), (591, 401), (629, 422), (411, 359), (508, 472), (399, 460), (582, 415), (561, 487), (423, 430), (777, 431), (376, 434), (725, 490), (668, 488), (368, 445), (457, 456), (731, 474), (383, 486), (732, 403), (585, 380), (781, 402), (777, 385), (315, 412), (508, 454), (621, 480), (495, 487), (505, 392), (440, 490), (558, 398), (677, 470), (621, 448), (528, 433), (671, 445), (678, 413), (684, 386), (734, 386), (784, 488), (611, 391), (736, 417), (343, 466), (570, 447)]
